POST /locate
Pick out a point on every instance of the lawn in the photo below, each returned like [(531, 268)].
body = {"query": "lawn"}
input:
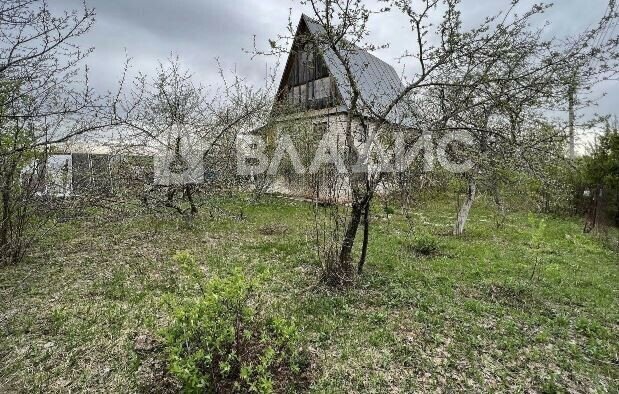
[(512, 309)]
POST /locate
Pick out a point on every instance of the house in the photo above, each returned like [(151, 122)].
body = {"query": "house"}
[(314, 97)]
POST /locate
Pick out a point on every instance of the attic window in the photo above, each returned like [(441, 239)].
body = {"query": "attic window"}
[(322, 88)]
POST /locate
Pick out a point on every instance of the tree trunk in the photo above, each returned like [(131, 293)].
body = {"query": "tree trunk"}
[(597, 209), (463, 214), (348, 242), (6, 220), (500, 207), (571, 102), (366, 236), (189, 194)]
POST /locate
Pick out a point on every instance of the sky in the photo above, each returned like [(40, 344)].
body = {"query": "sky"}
[(202, 31)]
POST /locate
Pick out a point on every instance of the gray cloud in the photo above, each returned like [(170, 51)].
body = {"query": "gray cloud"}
[(201, 30)]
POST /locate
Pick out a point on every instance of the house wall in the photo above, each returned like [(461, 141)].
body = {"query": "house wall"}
[(306, 133), (58, 175)]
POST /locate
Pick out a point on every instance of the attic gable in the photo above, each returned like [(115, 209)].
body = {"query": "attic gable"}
[(306, 81), (378, 82)]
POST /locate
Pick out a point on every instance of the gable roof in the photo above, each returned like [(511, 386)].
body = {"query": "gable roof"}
[(378, 82)]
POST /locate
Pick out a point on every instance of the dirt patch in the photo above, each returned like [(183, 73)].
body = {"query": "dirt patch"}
[(153, 375), (273, 229)]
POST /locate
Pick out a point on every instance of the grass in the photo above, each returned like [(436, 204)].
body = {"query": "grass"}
[(513, 309)]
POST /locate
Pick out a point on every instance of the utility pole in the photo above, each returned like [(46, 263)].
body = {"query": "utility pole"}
[(571, 103)]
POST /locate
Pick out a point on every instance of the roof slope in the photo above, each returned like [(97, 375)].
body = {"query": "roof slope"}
[(378, 82)]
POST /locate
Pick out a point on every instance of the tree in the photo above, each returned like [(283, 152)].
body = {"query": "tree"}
[(599, 175), (447, 56), (192, 128), (44, 99), (507, 117)]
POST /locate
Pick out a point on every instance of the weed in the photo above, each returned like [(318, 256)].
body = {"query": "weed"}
[(424, 244), (221, 343)]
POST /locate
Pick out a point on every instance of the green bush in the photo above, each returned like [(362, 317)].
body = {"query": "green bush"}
[(221, 343), (424, 244)]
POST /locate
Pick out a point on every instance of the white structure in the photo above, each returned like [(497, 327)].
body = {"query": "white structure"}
[(58, 176)]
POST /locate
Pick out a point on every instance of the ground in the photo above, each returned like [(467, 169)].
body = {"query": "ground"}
[(514, 309)]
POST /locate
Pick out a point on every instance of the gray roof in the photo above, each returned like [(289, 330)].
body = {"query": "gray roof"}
[(378, 82)]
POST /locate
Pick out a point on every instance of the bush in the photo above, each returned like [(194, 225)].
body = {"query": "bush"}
[(424, 244), (221, 343), (389, 210)]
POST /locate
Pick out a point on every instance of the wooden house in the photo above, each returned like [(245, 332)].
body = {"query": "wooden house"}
[(315, 94)]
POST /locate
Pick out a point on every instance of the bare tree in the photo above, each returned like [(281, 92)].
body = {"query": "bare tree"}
[(509, 116), (501, 57), (192, 128), (45, 99)]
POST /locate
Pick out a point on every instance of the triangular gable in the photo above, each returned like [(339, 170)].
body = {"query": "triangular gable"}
[(298, 63), (378, 81)]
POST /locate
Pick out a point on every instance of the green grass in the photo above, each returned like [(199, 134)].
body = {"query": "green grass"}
[(478, 314)]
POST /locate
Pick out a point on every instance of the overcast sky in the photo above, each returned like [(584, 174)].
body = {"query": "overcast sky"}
[(201, 30)]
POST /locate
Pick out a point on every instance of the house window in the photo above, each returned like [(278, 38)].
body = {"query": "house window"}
[(321, 128), (322, 88)]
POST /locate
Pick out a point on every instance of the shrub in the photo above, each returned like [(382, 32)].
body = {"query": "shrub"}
[(388, 211), (221, 343), (424, 244)]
